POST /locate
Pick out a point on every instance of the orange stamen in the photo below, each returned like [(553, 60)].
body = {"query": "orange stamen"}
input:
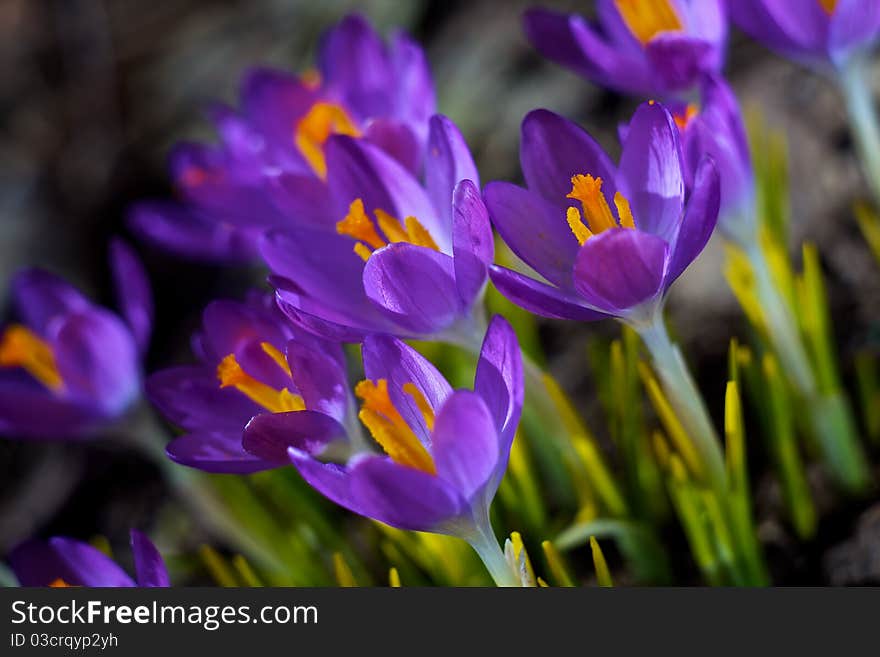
[(828, 5), (357, 224), (389, 429), (230, 374), (648, 18), (316, 127), (21, 347)]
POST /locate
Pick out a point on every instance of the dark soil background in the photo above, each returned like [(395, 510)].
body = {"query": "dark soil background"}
[(94, 92)]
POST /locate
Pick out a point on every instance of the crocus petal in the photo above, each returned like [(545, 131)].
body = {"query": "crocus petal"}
[(89, 566), (853, 23), (554, 149), (330, 325), (620, 268), (403, 497), (323, 264), (550, 33), (534, 229), (650, 174), (301, 199), (358, 169), (540, 298), (572, 42), (354, 65), (465, 443), (27, 410), (191, 398), (473, 245), (398, 140), (148, 563), (98, 360), (718, 131), (268, 436), (187, 233), (217, 451), (792, 27), (448, 161), (230, 185), (35, 563), (698, 222), (134, 297), (414, 285), (393, 360), (273, 101), (678, 59), (319, 378), (499, 378), (41, 297), (333, 481), (414, 87), (228, 325), (707, 19)]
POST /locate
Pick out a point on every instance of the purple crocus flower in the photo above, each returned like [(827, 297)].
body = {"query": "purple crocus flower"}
[(639, 47), (597, 264), (252, 361), (818, 33), (446, 450), (269, 168), (402, 257), (63, 561), (71, 366)]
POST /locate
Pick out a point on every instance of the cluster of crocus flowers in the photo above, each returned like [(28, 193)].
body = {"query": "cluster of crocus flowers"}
[(365, 207), (62, 562), (270, 166), (642, 47), (69, 366), (445, 450), (253, 361)]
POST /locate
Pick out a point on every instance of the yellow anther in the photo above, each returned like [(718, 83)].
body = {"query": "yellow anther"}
[(21, 347), (623, 211), (358, 225), (389, 429), (581, 232), (588, 190), (418, 234), (648, 18), (424, 407), (363, 251), (230, 374), (682, 119), (828, 5), (319, 123), (391, 227), (59, 584), (275, 354)]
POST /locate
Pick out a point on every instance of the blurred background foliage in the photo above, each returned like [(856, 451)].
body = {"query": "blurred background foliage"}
[(94, 92)]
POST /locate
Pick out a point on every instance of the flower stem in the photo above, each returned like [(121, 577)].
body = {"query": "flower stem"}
[(682, 392), (482, 539), (829, 416), (780, 323), (863, 119)]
